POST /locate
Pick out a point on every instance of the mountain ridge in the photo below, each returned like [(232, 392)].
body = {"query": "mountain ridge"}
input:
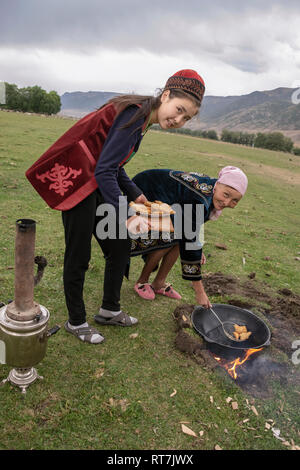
[(258, 111)]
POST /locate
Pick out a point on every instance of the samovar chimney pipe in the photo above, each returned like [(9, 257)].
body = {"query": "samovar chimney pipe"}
[(23, 307)]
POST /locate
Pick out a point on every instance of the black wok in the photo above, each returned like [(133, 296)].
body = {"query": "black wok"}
[(207, 325)]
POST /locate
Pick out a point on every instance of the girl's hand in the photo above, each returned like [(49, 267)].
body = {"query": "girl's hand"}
[(203, 259), (141, 199), (137, 224)]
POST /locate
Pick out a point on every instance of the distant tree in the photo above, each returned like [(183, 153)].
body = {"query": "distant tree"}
[(274, 141), (226, 135), (31, 99), (198, 133), (211, 134), (288, 144), (52, 104), (12, 97), (235, 137), (260, 140), (246, 138), (36, 98), (296, 150)]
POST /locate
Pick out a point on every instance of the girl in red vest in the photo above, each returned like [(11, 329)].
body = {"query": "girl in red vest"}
[(84, 169)]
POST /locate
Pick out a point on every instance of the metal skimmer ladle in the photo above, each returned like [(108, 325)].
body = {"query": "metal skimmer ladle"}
[(230, 327)]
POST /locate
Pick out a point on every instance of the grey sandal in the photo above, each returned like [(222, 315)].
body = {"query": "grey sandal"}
[(84, 334), (118, 320)]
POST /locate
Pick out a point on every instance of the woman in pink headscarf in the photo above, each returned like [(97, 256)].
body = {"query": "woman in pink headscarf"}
[(179, 188)]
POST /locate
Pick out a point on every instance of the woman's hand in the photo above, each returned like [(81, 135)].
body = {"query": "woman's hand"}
[(203, 300), (141, 199), (203, 258), (201, 297), (137, 224)]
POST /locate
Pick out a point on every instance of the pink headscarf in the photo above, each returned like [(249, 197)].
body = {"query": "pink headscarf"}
[(233, 177)]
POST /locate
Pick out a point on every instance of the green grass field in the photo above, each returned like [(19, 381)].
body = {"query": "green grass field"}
[(117, 395)]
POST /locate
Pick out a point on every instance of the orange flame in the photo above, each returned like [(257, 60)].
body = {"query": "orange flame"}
[(231, 366)]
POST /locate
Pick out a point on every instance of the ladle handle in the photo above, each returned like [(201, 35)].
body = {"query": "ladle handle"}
[(215, 314)]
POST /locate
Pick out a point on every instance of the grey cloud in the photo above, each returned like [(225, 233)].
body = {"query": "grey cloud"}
[(197, 27), (92, 22)]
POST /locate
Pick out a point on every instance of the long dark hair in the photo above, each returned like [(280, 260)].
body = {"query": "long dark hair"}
[(147, 103)]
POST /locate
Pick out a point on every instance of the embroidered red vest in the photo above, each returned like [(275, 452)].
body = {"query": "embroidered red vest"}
[(64, 175)]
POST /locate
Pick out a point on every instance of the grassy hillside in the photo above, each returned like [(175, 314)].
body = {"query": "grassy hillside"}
[(260, 111), (120, 394)]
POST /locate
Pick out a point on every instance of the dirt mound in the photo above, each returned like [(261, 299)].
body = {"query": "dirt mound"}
[(225, 284)]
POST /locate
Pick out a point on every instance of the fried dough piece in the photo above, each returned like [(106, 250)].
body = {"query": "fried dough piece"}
[(239, 329), (244, 336), (166, 208), (138, 207), (156, 207), (241, 332)]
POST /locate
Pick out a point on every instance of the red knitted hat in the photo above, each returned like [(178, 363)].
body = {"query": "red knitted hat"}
[(189, 81)]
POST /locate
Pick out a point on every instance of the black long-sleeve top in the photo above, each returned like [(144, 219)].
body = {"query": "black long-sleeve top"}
[(110, 174)]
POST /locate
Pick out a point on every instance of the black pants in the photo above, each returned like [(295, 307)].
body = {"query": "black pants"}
[(80, 224)]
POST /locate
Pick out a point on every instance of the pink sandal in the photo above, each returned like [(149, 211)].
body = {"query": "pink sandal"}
[(168, 291), (145, 291)]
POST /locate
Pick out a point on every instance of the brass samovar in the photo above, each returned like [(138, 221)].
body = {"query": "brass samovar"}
[(24, 329)]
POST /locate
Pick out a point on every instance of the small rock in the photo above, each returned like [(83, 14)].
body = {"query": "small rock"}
[(221, 246), (252, 275)]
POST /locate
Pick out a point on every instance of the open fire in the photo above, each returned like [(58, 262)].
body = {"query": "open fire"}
[(231, 366), (253, 370)]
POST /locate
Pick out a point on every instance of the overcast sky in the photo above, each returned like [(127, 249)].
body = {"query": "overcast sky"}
[(135, 45)]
